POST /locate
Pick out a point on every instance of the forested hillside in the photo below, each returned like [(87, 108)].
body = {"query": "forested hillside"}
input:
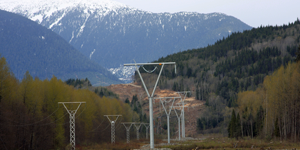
[(237, 63), (31, 118), (272, 109), (28, 46)]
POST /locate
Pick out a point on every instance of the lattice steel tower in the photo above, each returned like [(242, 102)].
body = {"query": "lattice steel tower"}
[(127, 130), (113, 122), (72, 121), (137, 126), (147, 128)]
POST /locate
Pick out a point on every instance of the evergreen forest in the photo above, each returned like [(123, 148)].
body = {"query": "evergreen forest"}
[(235, 77)]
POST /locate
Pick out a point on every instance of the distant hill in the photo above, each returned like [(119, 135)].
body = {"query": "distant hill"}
[(111, 33), (216, 73), (26, 45)]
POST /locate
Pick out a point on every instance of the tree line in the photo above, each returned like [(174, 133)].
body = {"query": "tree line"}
[(237, 63), (272, 110), (31, 118)]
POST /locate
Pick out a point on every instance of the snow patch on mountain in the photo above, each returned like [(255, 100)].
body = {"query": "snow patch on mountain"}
[(92, 53), (124, 73), (57, 20), (83, 26), (72, 37), (38, 10)]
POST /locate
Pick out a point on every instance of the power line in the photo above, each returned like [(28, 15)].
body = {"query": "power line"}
[(34, 122), (105, 128), (97, 126)]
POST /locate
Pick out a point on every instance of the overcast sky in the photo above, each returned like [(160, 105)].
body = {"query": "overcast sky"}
[(251, 12)]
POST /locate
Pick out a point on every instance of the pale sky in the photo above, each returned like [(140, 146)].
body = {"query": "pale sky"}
[(251, 12)]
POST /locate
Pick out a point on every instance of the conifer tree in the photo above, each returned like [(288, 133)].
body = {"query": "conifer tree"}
[(127, 100), (232, 125), (238, 126), (298, 54)]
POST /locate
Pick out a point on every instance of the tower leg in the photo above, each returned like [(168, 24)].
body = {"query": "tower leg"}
[(179, 128), (113, 133), (72, 130), (151, 123), (168, 119), (128, 136)]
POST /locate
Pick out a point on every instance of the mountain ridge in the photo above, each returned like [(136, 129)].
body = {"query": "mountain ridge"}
[(101, 33), (27, 45)]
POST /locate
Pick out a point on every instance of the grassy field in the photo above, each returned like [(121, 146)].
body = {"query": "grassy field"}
[(134, 144), (216, 142), (219, 142)]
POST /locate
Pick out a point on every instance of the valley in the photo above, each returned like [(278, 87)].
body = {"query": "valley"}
[(62, 65)]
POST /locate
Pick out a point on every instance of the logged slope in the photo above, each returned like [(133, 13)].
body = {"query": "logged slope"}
[(111, 33), (27, 45)]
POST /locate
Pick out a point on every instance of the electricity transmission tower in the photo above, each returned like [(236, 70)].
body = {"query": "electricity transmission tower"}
[(127, 130), (72, 121), (150, 97), (183, 93), (137, 126), (167, 112), (178, 117), (113, 122), (147, 127)]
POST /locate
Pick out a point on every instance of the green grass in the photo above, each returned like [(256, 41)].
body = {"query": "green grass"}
[(134, 144), (216, 142), (226, 143)]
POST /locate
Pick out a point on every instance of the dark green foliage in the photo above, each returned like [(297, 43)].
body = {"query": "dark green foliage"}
[(225, 86), (200, 124), (189, 72), (101, 91), (178, 87), (259, 122), (78, 82), (276, 129), (298, 54), (165, 126), (292, 50), (235, 41), (232, 127), (249, 57), (101, 94), (127, 101), (197, 93), (136, 106), (208, 123), (238, 126)]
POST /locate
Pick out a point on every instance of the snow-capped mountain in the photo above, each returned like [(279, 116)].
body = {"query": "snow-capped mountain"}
[(112, 34)]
